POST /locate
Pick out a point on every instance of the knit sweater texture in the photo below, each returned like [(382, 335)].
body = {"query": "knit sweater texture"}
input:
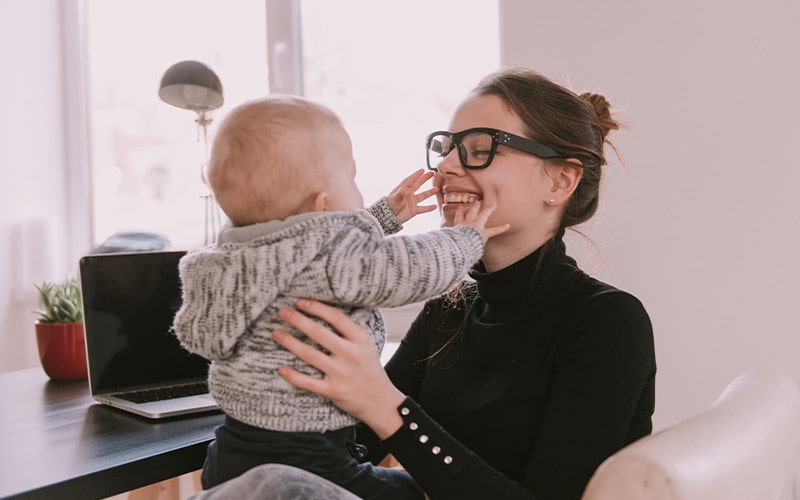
[(232, 292)]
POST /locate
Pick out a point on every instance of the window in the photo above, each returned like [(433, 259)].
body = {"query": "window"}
[(393, 73), (145, 154)]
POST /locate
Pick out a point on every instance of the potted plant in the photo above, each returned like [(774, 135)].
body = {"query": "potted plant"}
[(59, 331)]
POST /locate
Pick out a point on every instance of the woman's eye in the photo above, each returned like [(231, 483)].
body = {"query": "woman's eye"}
[(479, 153)]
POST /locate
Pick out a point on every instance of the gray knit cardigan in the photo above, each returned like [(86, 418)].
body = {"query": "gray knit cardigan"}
[(233, 290)]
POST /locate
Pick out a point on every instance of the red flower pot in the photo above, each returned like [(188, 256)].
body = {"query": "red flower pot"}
[(62, 350)]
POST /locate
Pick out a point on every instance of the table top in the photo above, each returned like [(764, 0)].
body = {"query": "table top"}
[(56, 442)]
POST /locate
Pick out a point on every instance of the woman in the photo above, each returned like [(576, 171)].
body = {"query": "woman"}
[(519, 384)]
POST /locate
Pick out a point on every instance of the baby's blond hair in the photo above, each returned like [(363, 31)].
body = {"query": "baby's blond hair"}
[(267, 160)]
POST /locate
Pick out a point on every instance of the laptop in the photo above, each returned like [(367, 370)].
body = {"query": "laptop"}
[(135, 361)]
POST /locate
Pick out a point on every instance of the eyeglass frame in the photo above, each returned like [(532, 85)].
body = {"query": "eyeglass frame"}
[(499, 137)]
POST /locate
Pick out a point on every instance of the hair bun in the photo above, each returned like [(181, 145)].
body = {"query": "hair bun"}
[(602, 108)]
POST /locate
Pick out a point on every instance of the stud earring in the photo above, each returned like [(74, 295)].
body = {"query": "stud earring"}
[(551, 201)]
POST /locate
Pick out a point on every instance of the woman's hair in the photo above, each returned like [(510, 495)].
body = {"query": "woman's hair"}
[(574, 125), (268, 155)]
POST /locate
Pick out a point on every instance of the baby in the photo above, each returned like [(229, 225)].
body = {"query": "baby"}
[(282, 170)]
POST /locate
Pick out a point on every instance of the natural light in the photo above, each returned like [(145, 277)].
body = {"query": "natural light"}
[(393, 73)]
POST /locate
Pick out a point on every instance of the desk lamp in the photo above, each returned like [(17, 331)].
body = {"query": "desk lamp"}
[(194, 86)]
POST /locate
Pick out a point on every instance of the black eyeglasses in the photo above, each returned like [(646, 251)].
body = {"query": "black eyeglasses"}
[(477, 146)]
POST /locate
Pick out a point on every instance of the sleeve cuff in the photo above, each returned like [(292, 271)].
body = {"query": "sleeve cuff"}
[(422, 438), (383, 212)]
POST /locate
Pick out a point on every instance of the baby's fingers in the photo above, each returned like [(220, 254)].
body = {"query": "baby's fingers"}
[(426, 194), (478, 215), (458, 218), (491, 232), (420, 177), (416, 179)]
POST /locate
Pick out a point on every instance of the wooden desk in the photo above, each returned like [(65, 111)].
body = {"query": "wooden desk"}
[(55, 442)]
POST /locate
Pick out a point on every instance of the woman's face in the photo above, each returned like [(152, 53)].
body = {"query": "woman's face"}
[(515, 182)]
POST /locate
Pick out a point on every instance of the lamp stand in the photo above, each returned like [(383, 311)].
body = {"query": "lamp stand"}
[(213, 220), (193, 85)]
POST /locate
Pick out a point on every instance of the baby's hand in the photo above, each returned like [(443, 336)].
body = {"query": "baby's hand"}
[(476, 216), (404, 199)]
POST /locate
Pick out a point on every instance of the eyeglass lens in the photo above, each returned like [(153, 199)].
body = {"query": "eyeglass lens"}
[(475, 150)]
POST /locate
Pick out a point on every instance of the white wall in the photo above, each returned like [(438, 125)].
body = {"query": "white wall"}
[(703, 224), (33, 204)]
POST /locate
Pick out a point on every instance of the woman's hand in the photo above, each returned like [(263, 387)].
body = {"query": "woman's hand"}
[(353, 378), (404, 199)]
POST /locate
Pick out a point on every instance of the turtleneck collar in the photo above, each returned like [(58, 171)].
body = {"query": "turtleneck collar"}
[(533, 279)]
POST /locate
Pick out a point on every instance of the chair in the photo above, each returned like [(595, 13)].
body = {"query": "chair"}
[(744, 447)]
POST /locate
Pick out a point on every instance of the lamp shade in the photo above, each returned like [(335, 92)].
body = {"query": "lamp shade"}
[(191, 85)]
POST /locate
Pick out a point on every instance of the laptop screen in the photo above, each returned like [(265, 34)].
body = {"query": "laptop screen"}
[(129, 302)]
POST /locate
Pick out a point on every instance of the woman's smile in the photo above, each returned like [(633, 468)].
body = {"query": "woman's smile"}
[(453, 199)]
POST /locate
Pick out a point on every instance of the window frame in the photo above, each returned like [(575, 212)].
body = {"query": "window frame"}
[(285, 72)]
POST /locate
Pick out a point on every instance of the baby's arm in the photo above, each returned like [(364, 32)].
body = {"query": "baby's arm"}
[(398, 270), (403, 202)]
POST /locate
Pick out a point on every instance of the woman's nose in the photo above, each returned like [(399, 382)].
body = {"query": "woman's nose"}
[(451, 164)]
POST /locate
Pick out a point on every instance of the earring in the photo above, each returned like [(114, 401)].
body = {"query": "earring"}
[(551, 201)]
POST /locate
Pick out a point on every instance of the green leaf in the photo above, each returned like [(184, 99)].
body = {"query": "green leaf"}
[(61, 302)]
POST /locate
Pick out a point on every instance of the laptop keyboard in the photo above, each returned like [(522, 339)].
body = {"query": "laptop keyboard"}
[(165, 393)]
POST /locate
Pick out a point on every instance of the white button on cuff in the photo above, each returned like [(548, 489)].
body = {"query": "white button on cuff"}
[(448, 460), (413, 426), (423, 439), (404, 411), (436, 450)]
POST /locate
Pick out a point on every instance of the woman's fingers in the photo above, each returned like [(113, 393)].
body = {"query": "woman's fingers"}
[(336, 318), (313, 329), (343, 340), (306, 352), (303, 381), (353, 378)]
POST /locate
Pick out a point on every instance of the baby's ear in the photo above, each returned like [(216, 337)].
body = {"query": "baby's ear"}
[(321, 201)]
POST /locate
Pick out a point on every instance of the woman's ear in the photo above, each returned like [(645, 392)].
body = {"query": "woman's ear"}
[(565, 181)]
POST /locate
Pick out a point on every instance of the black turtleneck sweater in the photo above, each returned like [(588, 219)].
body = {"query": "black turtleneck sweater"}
[(524, 389)]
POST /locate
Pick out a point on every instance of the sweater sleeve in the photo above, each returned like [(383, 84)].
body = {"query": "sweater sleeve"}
[(398, 270), (383, 212), (445, 468)]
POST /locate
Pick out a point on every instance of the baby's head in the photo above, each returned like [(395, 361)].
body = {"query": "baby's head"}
[(282, 155)]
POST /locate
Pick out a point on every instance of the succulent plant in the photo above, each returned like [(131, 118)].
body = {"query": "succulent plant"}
[(61, 302)]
